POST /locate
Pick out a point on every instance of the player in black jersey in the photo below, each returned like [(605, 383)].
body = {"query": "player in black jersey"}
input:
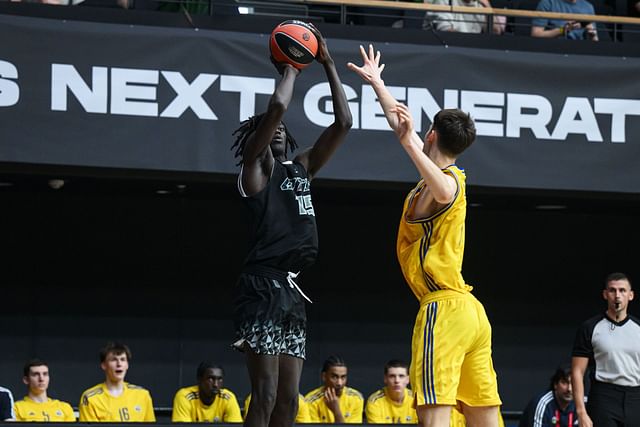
[(269, 315)]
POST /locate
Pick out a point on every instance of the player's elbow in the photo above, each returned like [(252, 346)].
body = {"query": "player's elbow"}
[(277, 105), (344, 122)]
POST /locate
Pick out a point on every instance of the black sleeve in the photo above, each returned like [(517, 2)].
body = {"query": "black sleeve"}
[(6, 406), (526, 420), (582, 346)]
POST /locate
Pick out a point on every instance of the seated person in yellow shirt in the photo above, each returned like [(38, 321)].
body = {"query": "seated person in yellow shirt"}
[(115, 400), (394, 403), (207, 401), (36, 405), (334, 402), (301, 417)]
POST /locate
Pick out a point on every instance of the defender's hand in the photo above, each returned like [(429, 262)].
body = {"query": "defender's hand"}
[(371, 70)]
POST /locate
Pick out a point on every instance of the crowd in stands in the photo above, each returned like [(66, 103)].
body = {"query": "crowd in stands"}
[(440, 21)]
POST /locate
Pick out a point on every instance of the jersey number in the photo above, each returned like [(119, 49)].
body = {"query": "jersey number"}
[(124, 414), (305, 207)]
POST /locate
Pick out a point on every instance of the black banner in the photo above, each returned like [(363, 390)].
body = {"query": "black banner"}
[(150, 98)]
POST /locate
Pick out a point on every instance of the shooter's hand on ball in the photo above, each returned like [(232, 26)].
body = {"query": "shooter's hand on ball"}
[(322, 56), (282, 67)]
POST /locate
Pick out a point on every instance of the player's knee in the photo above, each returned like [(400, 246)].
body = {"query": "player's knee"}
[(287, 401), (264, 398), (481, 416)]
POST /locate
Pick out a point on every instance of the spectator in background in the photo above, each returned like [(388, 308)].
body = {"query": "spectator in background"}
[(554, 28), (392, 404), (206, 401), (115, 400), (301, 417), (334, 402), (36, 405), (6, 405), (554, 407), (609, 344), (465, 22)]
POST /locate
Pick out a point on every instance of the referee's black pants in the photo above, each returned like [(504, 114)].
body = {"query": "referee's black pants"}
[(611, 405)]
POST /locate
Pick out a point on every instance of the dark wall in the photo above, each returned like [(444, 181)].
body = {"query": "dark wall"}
[(113, 260)]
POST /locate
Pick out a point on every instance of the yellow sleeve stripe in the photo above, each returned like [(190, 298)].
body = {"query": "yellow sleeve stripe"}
[(354, 392), (427, 228), (318, 395), (135, 387), (92, 392), (376, 396)]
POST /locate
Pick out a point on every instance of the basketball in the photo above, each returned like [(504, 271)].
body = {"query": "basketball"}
[(294, 43)]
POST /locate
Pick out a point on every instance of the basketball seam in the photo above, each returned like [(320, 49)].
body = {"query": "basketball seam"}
[(297, 42)]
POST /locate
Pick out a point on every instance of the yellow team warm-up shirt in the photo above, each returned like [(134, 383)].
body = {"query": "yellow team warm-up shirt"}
[(188, 408), (50, 411), (301, 417), (430, 250), (351, 405), (133, 405), (381, 409)]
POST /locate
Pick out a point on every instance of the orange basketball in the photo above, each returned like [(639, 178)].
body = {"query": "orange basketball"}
[(294, 43)]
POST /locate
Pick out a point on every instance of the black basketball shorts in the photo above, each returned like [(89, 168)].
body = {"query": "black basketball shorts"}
[(269, 314)]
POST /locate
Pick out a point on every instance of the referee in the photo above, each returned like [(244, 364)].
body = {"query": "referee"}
[(609, 344)]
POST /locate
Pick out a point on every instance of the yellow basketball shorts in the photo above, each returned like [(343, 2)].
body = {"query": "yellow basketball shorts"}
[(451, 352)]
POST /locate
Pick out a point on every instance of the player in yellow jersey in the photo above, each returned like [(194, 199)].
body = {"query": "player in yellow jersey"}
[(36, 405), (392, 404), (115, 400), (451, 346), (207, 401), (334, 402), (301, 417)]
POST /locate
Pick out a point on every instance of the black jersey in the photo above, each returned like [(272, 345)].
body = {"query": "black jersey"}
[(613, 349), (283, 231)]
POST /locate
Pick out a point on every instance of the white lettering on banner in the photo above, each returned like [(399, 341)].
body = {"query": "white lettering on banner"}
[(372, 116), (320, 91), (517, 119), (92, 98), (189, 95), (128, 84), (567, 122), (248, 87), (471, 102), (523, 111), (134, 92), (9, 90), (618, 108)]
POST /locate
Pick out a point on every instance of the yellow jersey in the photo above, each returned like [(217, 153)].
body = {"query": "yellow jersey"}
[(381, 409), (351, 405), (50, 411), (301, 417), (188, 408), (133, 405), (430, 250)]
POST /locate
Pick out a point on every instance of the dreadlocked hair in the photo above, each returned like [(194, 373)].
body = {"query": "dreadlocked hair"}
[(247, 127)]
